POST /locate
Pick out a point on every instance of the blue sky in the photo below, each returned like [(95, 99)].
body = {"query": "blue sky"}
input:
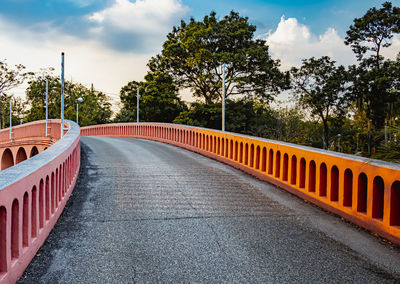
[(108, 42)]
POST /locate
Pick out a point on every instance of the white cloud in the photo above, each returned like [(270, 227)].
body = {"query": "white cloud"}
[(292, 41), (147, 18), (86, 61)]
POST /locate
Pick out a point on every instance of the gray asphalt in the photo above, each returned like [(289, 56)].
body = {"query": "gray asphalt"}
[(147, 212)]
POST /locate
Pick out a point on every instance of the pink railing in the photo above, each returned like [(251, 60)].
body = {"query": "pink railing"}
[(33, 194)]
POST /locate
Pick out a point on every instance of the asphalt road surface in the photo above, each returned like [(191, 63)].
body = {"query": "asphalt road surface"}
[(147, 212)]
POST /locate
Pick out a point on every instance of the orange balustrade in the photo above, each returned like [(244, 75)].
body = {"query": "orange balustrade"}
[(363, 191)]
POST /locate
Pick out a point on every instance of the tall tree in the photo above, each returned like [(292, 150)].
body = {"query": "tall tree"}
[(159, 101), (374, 77), (195, 52), (320, 86), (374, 30), (9, 78)]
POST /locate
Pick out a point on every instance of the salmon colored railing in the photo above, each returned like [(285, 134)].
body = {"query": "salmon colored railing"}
[(363, 191), (34, 192)]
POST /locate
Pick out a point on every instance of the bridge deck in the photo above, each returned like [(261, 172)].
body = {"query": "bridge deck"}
[(144, 211)]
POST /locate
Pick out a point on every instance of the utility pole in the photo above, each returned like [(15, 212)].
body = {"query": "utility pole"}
[(10, 119), (47, 106), (223, 97), (137, 105), (62, 94)]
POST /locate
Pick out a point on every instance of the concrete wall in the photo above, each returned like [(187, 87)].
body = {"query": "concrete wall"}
[(34, 192), (363, 191)]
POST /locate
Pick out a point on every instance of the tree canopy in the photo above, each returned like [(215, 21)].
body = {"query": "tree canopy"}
[(320, 86), (159, 101), (95, 108), (374, 30), (194, 53)]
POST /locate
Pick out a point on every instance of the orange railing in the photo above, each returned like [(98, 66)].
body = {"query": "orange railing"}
[(363, 191), (34, 192)]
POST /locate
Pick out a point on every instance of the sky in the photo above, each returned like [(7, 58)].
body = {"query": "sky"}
[(109, 42)]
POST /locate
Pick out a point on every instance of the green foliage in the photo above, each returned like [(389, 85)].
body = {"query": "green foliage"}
[(159, 101), (320, 87), (9, 78), (374, 30), (95, 108), (194, 52)]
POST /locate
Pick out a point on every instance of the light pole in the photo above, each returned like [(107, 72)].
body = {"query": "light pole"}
[(223, 97), (47, 106), (62, 94), (10, 119), (21, 116), (137, 105), (78, 101)]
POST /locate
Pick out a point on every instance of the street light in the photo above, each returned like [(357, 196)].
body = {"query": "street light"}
[(137, 105), (10, 119), (223, 96), (78, 100), (21, 116)]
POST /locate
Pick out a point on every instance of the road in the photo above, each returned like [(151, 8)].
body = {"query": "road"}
[(147, 212)]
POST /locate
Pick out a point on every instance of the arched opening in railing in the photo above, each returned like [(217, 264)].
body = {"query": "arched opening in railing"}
[(7, 159), (34, 213), (293, 172), (21, 155), (312, 176), (378, 194), (3, 237), (271, 162), (278, 164), (241, 153), (236, 150), (362, 193), (25, 221), (285, 167), (34, 151), (246, 154), (302, 173), (334, 184), (394, 204), (15, 230), (257, 166), (264, 160), (348, 188), (322, 179)]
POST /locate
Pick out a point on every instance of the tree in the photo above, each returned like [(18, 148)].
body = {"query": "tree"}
[(9, 78), (320, 87), (374, 30), (194, 53), (159, 101), (95, 108), (374, 77)]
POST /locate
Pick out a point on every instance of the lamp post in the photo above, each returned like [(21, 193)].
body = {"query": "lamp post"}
[(62, 94), (223, 97), (21, 116), (10, 119), (137, 105), (78, 101), (47, 107)]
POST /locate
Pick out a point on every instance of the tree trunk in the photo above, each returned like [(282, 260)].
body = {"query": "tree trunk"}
[(325, 135)]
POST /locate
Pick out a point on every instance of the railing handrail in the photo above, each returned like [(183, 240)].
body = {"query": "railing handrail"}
[(370, 161), (31, 165)]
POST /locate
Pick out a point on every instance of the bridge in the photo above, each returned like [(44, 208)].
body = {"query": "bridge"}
[(145, 209)]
